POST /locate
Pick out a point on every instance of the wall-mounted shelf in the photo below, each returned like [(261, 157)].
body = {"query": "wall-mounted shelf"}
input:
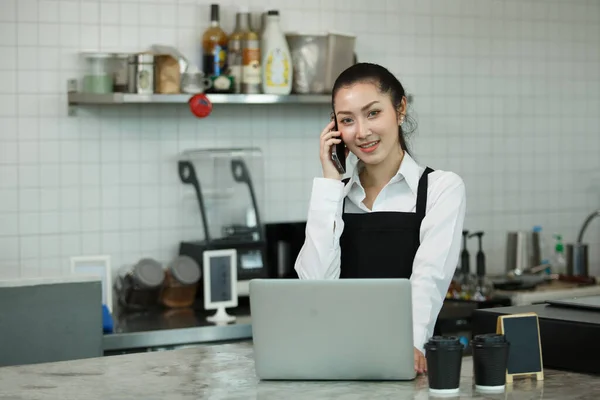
[(76, 98)]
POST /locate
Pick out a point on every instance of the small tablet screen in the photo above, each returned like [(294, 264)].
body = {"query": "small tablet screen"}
[(220, 279)]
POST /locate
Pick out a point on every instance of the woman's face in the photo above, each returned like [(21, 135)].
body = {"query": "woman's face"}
[(367, 121)]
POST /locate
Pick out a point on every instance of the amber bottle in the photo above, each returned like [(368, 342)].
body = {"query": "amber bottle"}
[(214, 45)]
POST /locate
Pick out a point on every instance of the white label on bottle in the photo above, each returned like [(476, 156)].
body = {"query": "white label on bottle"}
[(277, 68)]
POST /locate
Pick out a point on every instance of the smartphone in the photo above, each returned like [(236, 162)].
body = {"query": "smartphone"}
[(338, 152)]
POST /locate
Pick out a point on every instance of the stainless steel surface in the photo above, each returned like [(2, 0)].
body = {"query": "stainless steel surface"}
[(521, 254), (141, 76), (78, 98), (168, 327), (577, 259), (241, 330), (319, 59), (121, 72)]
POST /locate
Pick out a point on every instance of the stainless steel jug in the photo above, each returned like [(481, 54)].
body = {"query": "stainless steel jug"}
[(577, 253), (522, 252)]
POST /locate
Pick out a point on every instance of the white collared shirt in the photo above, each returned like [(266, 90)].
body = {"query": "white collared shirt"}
[(441, 233)]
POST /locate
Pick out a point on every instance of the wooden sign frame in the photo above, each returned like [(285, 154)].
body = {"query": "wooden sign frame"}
[(500, 329)]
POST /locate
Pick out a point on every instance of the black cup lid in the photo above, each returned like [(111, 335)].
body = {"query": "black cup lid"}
[(444, 341), (490, 338)]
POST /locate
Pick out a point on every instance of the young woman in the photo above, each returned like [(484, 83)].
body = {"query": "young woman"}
[(392, 218)]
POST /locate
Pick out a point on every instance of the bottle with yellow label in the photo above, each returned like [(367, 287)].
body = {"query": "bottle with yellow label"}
[(276, 58), (214, 46), (251, 71)]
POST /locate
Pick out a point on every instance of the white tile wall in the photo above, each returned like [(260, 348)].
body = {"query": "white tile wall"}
[(507, 94)]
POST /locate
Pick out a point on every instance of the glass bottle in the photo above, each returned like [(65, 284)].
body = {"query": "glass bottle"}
[(214, 46), (235, 48), (251, 55)]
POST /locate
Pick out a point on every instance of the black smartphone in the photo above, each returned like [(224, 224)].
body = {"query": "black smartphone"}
[(338, 152)]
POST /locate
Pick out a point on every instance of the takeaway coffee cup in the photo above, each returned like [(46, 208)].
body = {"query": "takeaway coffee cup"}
[(490, 358), (444, 360)]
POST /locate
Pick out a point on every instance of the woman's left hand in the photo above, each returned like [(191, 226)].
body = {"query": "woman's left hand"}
[(420, 362)]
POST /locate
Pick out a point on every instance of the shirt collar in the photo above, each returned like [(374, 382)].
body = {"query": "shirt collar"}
[(409, 170)]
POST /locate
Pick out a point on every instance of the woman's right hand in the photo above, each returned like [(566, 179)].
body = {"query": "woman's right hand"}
[(329, 138)]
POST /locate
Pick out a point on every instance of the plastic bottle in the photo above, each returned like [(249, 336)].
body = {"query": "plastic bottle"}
[(276, 58), (560, 262)]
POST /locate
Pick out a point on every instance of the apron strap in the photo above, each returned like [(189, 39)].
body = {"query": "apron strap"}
[(422, 194), (344, 201)]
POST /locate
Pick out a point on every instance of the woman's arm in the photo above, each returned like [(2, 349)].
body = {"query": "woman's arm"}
[(437, 256), (319, 257)]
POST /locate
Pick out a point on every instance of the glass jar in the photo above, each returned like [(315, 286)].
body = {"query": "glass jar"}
[(138, 286), (120, 72), (181, 283), (99, 73)]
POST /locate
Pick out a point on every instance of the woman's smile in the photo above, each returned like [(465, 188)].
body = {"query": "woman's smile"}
[(369, 147)]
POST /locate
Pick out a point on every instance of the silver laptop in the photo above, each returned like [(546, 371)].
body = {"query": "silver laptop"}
[(346, 329)]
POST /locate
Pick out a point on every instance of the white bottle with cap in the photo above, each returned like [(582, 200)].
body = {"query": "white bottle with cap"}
[(276, 58)]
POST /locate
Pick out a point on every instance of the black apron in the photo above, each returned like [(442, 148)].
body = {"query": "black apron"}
[(382, 244)]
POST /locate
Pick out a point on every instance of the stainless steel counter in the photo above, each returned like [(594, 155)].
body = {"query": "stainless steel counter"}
[(172, 328)]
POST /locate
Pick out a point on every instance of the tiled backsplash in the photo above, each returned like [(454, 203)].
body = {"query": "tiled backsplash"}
[(507, 94)]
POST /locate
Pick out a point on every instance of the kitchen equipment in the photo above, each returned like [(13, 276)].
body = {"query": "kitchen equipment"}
[(483, 287), (284, 241), (465, 265), (180, 284), (230, 203), (120, 72), (577, 253), (141, 76), (98, 75), (138, 286), (521, 252), (194, 82), (318, 59)]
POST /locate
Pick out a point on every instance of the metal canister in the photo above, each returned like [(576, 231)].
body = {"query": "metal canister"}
[(141, 77)]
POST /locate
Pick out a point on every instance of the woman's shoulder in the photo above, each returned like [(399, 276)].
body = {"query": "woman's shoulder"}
[(442, 183)]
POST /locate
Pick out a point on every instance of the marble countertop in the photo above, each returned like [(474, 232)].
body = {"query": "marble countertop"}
[(227, 372)]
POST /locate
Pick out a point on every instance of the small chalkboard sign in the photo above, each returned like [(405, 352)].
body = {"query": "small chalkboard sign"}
[(522, 331)]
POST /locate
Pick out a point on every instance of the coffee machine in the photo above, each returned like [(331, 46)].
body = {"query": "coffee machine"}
[(228, 186)]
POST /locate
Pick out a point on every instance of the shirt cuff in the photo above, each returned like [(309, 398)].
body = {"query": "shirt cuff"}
[(326, 194)]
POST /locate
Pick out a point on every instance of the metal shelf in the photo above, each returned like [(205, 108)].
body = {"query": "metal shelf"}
[(77, 98)]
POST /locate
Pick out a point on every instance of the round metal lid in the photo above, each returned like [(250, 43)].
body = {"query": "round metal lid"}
[(185, 270), (149, 273)]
